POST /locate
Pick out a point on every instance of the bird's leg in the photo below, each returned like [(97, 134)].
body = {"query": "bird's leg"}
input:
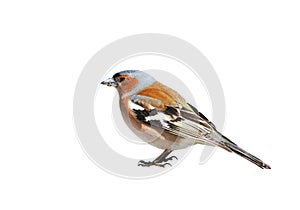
[(159, 160)]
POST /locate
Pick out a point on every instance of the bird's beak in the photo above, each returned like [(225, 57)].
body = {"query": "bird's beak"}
[(109, 82)]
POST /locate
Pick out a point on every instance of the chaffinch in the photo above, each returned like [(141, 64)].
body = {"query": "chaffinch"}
[(162, 117)]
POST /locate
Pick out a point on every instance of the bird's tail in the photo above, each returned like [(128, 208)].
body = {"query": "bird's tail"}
[(237, 150)]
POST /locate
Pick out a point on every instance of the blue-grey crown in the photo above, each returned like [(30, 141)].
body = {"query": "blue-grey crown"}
[(133, 73), (143, 78)]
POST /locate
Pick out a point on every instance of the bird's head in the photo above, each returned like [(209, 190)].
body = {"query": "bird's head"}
[(129, 81)]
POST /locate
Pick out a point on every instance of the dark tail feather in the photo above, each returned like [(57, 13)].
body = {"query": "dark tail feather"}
[(236, 149)]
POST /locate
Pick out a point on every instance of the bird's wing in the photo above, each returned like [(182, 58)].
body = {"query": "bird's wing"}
[(174, 118), (201, 115)]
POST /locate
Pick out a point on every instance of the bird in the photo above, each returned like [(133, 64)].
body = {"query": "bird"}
[(163, 118)]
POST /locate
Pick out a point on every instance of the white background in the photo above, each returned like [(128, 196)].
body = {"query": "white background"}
[(254, 46)]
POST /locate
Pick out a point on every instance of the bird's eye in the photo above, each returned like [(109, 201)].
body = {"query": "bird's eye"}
[(121, 79)]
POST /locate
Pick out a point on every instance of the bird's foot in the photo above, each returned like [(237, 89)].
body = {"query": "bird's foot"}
[(169, 159), (152, 163)]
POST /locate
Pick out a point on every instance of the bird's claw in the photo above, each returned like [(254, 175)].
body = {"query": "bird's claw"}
[(152, 163), (169, 158)]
